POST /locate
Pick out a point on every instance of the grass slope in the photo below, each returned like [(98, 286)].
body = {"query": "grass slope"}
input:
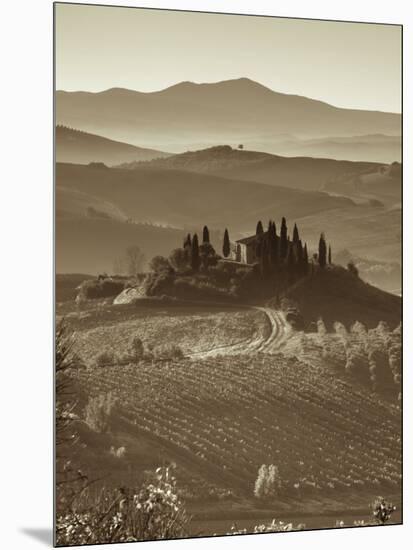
[(336, 295), (80, 147)]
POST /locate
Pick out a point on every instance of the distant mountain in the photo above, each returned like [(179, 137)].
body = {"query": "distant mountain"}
[(373, 148), (80, 147), (232, 111), (298, 172)]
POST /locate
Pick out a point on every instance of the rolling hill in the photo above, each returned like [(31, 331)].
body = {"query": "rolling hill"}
[(382, 183), (371, 147), (180, 198), (232, 111), (219, 419), (298, 172), (80, 147)]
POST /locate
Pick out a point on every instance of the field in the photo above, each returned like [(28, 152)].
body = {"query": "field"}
[(219, 417)]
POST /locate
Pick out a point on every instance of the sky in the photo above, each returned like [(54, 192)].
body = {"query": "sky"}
[(350, 65)]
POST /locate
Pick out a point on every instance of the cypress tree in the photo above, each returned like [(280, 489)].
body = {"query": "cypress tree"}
[(329, 254), (195, 259), (273, 244), (283, 239), (322, 251), (188, 248), (226, 249), (260, 229), (187, 241), (296, 237), (205, 235), (305, 255), (290, 260)]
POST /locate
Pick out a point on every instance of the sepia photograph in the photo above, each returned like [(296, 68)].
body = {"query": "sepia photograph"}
[(228, 274)]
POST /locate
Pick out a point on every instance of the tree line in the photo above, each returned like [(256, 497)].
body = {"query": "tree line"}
[(273, 252), (277, 256)]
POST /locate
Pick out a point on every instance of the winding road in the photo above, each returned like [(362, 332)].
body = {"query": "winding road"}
[(279, 332)]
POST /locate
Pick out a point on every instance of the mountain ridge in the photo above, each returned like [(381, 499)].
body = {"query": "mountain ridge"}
[(208, 113)]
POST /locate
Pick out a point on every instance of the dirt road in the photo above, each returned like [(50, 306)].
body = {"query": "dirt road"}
[(279, 332)]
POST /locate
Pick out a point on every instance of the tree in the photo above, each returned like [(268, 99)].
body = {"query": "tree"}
[(322, 251), (205, 235), (296, 237), (188, 247), (241, 146), (268, 482), (187, 241), (264, 257), (207, 255), (305, 255), (178, 259), (291, 263), (329, 254), (353, 269), (135, 259), (226, 248), (273, 244), (195, 259), (260, 229), (159, 264), (283, 239)]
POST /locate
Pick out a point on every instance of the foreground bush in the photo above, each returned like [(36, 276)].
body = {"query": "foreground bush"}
[(152, 512), (98, 412), (105, 287)]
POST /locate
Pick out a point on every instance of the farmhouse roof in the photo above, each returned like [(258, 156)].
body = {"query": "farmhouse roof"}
[(247, 240)]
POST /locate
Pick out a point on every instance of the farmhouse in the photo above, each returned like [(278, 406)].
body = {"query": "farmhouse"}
[(245, 250)]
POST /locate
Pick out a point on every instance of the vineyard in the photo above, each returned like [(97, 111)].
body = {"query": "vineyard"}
[(371, 357), (194, 330), (221, 418)]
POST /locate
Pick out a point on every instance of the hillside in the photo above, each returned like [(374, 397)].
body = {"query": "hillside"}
[(219, 419), (372, 147), (297, 172), (80, 147), (179, 198), (371, 232), (334, 294), (232, 111), (382, 183)]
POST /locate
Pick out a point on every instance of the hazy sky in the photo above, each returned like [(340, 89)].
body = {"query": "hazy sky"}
[(345, 64)]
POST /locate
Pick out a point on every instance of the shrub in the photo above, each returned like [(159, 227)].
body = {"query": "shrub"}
[(151, 512), (118, 453), (136, 349), (105, 358), (98, 412), (382, 510), (268, 482), (168, 352), (103, 287)]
